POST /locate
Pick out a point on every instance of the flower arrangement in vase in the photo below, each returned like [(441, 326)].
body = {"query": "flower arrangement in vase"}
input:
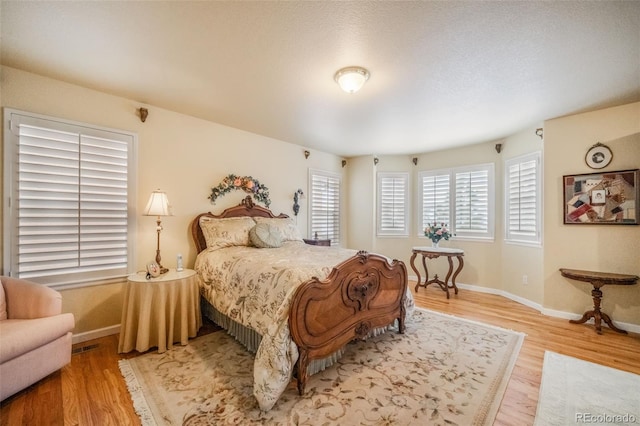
[(437, 232)]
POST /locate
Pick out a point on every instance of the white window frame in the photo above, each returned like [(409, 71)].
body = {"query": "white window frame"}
[(489, 233), (334, 229), (101, 205), (514, 233), (397, 206)]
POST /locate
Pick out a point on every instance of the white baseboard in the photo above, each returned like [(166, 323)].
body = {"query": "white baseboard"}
[(633, 328), (95, 334)]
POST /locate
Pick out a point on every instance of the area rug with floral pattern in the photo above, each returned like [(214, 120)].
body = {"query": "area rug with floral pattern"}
[(443, 370)]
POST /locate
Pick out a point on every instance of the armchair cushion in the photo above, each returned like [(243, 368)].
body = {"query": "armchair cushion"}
[(27, 300), (19, 336)]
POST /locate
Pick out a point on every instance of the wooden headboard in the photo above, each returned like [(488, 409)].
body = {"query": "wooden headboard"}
[(245, 208)]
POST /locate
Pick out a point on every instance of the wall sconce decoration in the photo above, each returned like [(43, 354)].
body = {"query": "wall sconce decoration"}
[(143, 114), (344, 163), (498, 147), (414, 160), (306, 154), (375, 161), (297, 196), (158, 205), (540, 132)]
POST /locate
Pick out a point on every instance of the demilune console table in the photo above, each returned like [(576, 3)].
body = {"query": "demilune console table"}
[(597, 280), (433, 253)]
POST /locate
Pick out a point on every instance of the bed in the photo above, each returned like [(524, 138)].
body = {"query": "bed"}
[(295, 305)]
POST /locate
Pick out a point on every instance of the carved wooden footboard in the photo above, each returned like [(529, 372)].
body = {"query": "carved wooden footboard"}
[(361, 294)]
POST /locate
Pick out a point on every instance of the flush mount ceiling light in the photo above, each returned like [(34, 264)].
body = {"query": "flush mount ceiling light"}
[(351, 79)]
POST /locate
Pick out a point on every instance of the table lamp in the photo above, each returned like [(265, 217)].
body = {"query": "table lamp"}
[(158, 205)]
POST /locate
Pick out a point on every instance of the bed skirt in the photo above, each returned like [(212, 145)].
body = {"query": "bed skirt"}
[(250, 339)]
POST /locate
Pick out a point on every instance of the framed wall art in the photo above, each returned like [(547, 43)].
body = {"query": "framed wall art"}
[(598, 156), (605, 198)]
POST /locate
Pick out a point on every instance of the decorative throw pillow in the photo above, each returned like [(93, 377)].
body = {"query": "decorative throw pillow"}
[(287, 228), (227, 232), (263, 235)]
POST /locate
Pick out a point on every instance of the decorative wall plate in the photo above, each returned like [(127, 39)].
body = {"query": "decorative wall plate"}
[(598, 156)]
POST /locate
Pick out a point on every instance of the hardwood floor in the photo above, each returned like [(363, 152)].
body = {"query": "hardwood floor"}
[(91, 391)]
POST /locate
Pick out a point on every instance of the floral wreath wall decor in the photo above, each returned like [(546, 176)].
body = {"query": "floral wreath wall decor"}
[(245, 183)]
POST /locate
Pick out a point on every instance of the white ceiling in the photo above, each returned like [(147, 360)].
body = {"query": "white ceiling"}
[(442, 73)]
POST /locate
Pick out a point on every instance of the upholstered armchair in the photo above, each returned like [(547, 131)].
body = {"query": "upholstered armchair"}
[(35, 336)]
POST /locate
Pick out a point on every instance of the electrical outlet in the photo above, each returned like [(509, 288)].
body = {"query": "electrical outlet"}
[(525, 280)]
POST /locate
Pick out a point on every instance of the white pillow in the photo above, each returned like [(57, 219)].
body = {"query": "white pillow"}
[(287, 228), (227, 232)]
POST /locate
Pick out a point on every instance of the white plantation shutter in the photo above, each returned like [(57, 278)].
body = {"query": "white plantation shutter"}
[(70, 197), (324, 205), (462, 198), (436, 196), (472, 202), (523, 194), (393, 198)]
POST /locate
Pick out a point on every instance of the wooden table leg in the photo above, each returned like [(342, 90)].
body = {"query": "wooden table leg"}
[(426, 270), (453, 280), (596, 313), (446, 280), (607, 319), (413, 266), (445, 285)]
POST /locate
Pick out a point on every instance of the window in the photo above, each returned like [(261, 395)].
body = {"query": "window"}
[(523, 199), (462, 197), (472, 202), (70, 187), (324, 201), (436, 192), (393, 198)]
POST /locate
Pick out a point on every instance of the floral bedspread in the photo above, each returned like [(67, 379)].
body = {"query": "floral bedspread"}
[(254, 287)]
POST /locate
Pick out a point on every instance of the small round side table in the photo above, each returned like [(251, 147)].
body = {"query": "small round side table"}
[(159, 312)]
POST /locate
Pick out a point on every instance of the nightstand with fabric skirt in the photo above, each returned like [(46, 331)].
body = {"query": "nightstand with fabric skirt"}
[(159, 312)]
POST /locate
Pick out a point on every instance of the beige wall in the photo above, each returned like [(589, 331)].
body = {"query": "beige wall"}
[(518, 260), (360, 203), (186, 156), (501, 266), (183, 156), (482, 258), (604, 248)]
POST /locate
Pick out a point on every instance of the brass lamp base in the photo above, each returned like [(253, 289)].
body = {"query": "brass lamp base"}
[(163, 270)]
